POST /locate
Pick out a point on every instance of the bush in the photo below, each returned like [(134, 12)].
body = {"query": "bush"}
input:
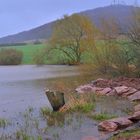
[(102, 58), (123, 61), (39, 57), (112, 59), (10, 57)]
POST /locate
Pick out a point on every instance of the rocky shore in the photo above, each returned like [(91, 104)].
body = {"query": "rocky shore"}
[(124, 87)]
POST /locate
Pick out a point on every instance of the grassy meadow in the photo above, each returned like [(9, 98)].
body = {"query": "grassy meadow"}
[(31, 50), (55, 57)]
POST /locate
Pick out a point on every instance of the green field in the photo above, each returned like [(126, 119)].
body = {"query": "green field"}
[(30, 50), (55, 57)]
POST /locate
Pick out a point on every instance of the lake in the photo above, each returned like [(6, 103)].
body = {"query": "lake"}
[(24, 86), (22, 94)]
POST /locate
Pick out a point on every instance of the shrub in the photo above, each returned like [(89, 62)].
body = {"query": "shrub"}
[(10, 57), (39, 56), (113, 59), (102, 58), (122, 61)]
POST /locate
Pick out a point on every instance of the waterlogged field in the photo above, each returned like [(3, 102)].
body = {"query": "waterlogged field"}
[(24, 113), (42, 124)]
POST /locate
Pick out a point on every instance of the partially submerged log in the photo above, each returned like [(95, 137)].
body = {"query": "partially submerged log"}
[(56, 99)]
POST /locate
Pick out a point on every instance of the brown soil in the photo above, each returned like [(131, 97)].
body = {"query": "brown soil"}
[(129, 82)]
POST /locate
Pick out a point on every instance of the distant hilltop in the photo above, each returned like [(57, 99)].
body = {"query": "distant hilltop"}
[(121, 12)]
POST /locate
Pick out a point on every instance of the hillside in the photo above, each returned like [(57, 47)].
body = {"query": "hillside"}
[(121, 12)]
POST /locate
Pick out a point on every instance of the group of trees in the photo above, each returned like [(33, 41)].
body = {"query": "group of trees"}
[(79, 41)]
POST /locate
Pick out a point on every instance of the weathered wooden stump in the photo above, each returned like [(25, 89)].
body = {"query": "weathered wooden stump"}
[(56, 99)]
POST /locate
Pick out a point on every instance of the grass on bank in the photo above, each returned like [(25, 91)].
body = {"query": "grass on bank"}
[(77, 108), (126, 135), (102, 116), (84, 108)]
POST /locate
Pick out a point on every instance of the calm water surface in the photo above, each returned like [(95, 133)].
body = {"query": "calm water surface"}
[(24, 86)]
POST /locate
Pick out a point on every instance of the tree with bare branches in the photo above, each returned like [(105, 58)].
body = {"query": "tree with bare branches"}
[(73, 35)]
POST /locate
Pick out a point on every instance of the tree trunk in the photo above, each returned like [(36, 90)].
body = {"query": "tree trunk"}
[(56, 99)]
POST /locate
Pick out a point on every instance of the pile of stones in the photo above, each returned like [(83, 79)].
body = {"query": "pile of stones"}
[(116, 89)]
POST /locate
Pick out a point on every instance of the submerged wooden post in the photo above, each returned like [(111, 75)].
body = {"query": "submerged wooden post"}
[(56, 99)]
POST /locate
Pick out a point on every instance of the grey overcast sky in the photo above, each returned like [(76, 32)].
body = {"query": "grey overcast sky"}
[(20, 15)]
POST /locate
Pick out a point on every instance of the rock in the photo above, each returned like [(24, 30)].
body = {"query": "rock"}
[(108, 126), (122, 122), (114, 124), (135, 96), (85, 88), (100, 83), (89, 138), (130, 92), (98, 89), (56, 99), (121, 89), (94, 82), (135, 116), (137, 108), (112, 93), (88, 88), (105, 91)]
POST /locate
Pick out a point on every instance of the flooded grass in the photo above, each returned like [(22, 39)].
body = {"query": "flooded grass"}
[(3, 123), (102, 117), (40, 128), (45, 124), (84, 108)]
